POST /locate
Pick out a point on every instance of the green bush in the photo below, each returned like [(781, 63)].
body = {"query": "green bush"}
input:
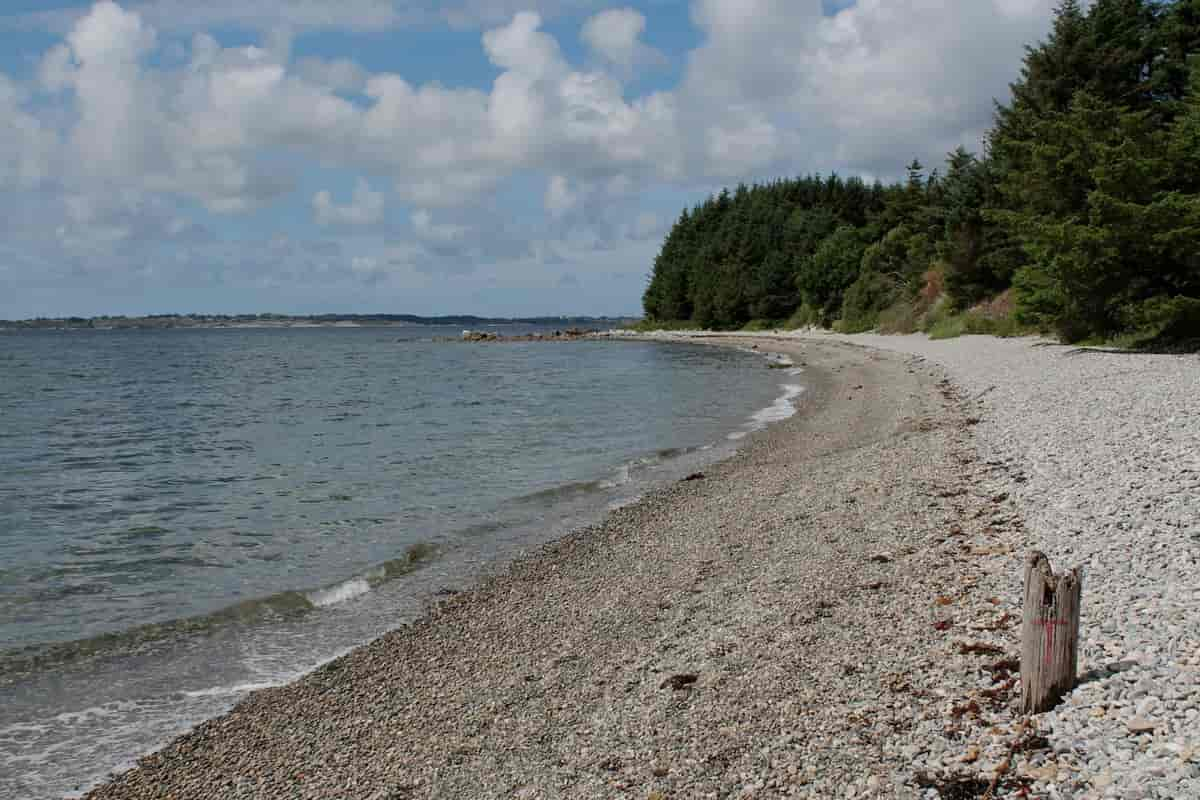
[(823, 277), (1163, 321), (805, 316), (1005, 327), (941, 324), (865, 298), (949, 327), (900, 317), (762, 325)]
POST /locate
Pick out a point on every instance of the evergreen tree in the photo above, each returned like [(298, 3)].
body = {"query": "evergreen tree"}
[(1086, 199), (1136, 239), (824, 276)]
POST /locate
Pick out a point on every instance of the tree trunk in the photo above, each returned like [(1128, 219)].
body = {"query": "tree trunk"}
[(1049, 634)]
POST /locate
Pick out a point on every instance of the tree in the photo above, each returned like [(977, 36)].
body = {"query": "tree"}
[(1135, 238), (824, 276)]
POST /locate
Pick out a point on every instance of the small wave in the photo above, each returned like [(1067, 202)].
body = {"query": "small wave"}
[(340, 593), (781, 409), (483, 528), (561, 492), (225, 691), (283, 605), (620, 477)]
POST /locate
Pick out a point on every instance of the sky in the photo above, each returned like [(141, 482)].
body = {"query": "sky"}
[(494, 157)]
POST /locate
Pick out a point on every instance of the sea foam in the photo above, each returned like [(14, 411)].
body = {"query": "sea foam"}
[(781, 409), (339, 593)]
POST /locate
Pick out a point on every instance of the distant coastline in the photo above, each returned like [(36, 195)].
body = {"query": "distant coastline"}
[(164, 321)]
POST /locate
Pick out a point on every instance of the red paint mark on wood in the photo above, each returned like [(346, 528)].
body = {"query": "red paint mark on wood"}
[(1050, 625)]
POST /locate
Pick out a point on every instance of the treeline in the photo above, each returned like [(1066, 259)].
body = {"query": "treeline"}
[(1081, 217)]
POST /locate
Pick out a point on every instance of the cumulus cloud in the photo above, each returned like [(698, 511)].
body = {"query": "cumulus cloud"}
[(129, 137), (266, 15), (365, 207), (27, 146), (339, 75), (863, 90), (439, 235), (614, 35)]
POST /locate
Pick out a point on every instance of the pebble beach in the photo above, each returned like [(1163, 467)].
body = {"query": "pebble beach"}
[(832, 612)]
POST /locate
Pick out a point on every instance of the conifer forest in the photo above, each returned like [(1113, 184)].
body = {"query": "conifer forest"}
[(1080, 217)]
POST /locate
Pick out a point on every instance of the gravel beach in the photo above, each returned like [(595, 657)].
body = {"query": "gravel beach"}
[(1102, 451), (833, 612)]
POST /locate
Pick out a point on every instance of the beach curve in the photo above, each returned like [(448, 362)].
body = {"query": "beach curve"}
[(772, 628)]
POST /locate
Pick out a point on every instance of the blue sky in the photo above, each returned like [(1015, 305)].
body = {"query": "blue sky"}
[(501, 157)]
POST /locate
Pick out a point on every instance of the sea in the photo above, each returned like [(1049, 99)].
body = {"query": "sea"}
[(188, 515)]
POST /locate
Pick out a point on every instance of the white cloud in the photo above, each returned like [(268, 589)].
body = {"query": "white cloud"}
[(116, 106), (267, 15), (57, 69), (365, 207), (122, 139), (339, 75), (522, 48), (27, 146), (615, 35), (864, 90), (437, 234)]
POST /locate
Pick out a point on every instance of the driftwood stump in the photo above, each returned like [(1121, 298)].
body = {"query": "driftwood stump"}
[(1049, 634)]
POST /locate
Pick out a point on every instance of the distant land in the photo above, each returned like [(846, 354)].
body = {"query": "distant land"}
[(160, 321)]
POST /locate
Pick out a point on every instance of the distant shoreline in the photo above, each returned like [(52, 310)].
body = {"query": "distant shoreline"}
[(243, 321)]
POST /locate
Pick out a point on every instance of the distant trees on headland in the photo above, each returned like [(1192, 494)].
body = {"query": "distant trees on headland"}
[(1081, 217)]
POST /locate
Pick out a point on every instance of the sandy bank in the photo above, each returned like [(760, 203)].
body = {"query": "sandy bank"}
[(805, 620)]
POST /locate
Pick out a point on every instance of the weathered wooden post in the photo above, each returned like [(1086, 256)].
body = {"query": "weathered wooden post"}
[(1049, 634)]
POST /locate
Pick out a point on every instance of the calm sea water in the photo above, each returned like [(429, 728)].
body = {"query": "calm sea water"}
[(187, 515)]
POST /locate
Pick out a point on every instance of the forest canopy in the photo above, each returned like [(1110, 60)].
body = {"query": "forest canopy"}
[(1080, 217)]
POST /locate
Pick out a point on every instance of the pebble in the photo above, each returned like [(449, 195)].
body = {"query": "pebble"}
[(1108, 446), (745, 579)]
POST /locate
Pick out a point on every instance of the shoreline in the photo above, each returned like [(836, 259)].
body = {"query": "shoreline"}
[(1096, 450), (169, 687), (571, 672)]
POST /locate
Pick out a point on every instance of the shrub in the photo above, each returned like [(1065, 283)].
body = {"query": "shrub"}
[(939, 311), (948, 327), (762, 325), (900, 317), (1162, 321), (865, 298), (804, 317)]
